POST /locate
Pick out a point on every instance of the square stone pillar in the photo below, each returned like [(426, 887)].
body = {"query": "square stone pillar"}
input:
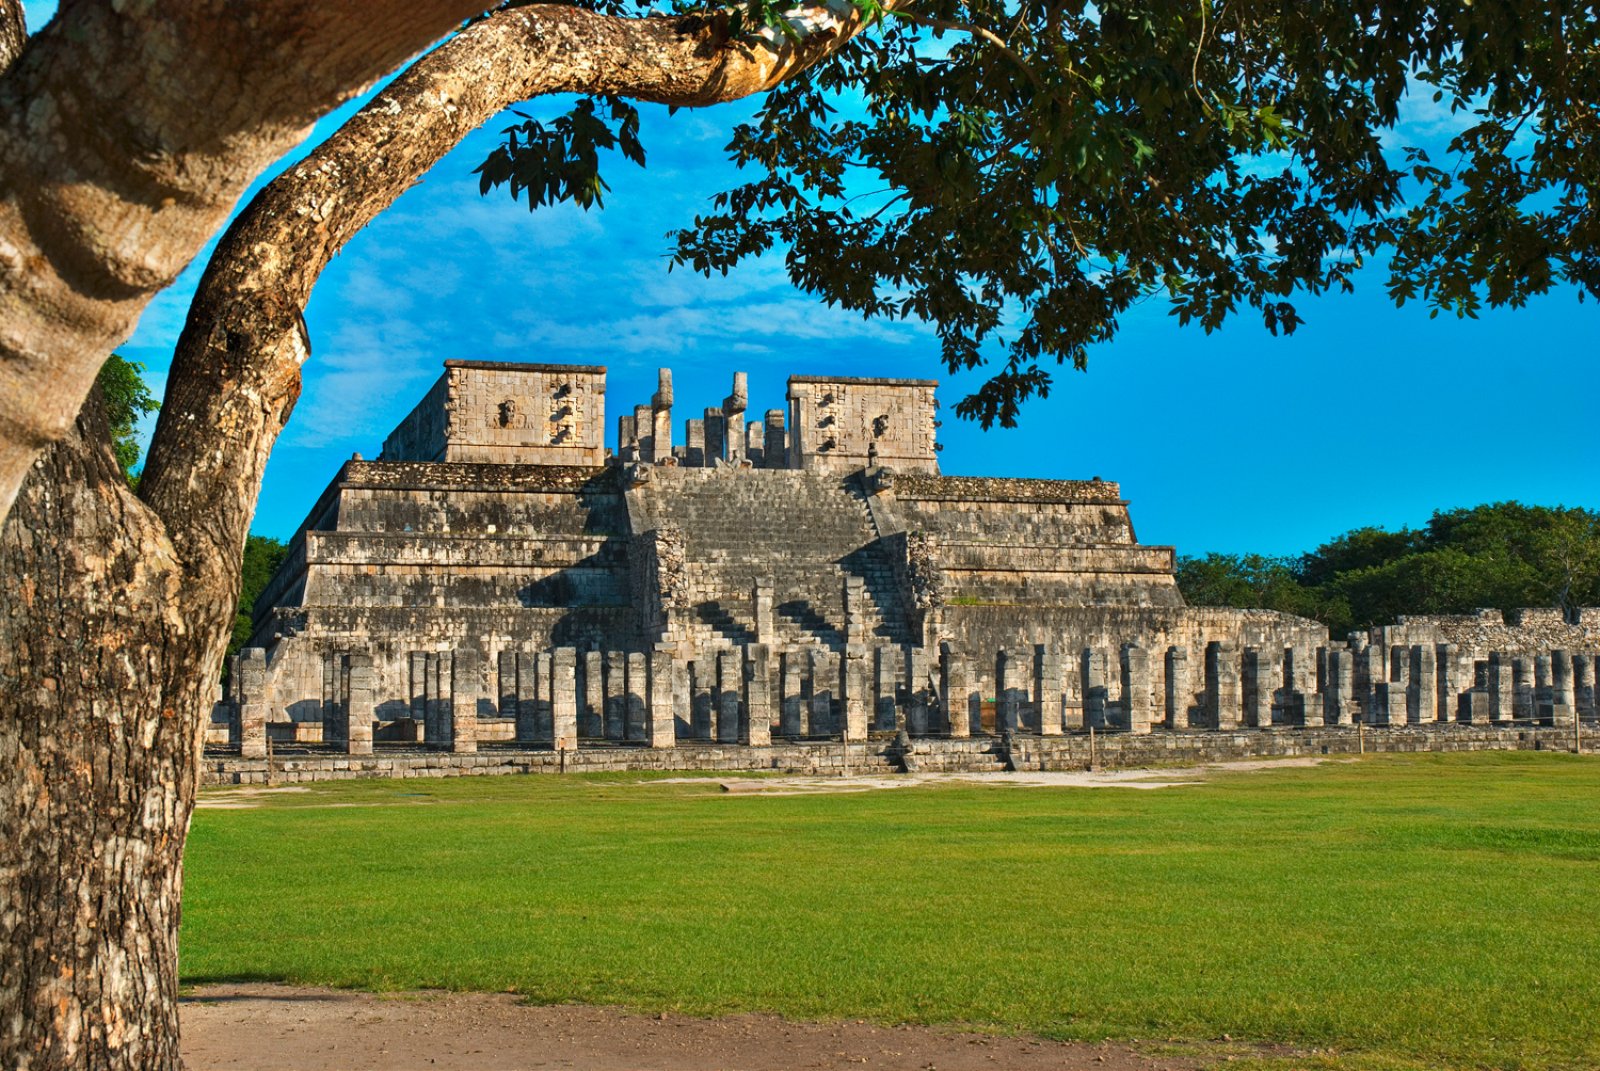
[(616, 696), (466, 688), (775, 446), (694, 443), (1397, 697), (761, 603), (1372, 670), (251, 688), (1049, 684), (730, 683), (955, 692), (889, 669), (591, 703), (703, 697), (1422, 686), (527, 699), (564, 699), (360, 702), (506, 682), (755, 724), (733, 408), (1072, 693), (335, 715), (661, 417), (544, 698), (824, 686), (663, 722), (1583, 685), (1564, 696), (638, 690), (791, 699), (439, 692), (1522, 689), (1096, 689), (1136, 687), (1337, 701), (713, 427), (1502, 689), (1256, 684), (1447, 681), (1223, 690), (1008, 692), (1180, 689), (854, 680), (920, 691)]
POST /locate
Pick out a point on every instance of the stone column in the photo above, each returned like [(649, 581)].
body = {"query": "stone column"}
[(755, 725), (1048, 688), (663, 723), (419, 697), (466, 687), (1372, 671), (638, 688), (1095, 687), (616, 696), (591, 712), (1502, 689), (1448, 682), (733, 408), (761, 602), (1475, 703), (713, 427), (544, 698), (1339, 704), (694, 443), (824, 686), (1223, 699), (1008, 691), (1522, 687), (1256, 686), (889, 670), (627, 438), (360, 702), (730, 683), (703, 697), (1072, 698), (854, 680), (1422, 691), (527, 701), (955, 691), (564, 699), (1136, 687), (1179, 689), (855, 597), (791, 702), (775, 448), (919, 691), (335, 718), (251, 687), (439, 690), (1583, 685), (1564, 699), (661, 417)]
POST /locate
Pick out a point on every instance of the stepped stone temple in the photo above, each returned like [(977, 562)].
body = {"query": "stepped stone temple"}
[(801, 578)]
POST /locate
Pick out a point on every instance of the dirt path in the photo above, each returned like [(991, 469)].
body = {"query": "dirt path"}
[(282, 1028)]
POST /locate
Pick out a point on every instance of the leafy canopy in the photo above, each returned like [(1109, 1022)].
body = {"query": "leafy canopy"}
[(1502, 556), (1019, 173), (127, 399)]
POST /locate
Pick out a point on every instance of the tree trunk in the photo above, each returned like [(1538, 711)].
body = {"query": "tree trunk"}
[(98, 751), (114, 612)]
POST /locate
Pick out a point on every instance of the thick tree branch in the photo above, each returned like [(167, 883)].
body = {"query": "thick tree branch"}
[(127, 134), (13, 32), (236, 372)]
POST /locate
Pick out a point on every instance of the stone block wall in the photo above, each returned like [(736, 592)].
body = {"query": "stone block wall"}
[(841, 424)]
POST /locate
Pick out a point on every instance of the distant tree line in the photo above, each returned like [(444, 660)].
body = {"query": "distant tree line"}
[(1500, 556)]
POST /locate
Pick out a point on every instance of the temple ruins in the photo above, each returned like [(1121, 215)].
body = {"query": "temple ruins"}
[(498, 580)]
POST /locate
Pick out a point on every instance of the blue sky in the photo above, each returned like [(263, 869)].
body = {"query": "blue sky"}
[(1236, 441)]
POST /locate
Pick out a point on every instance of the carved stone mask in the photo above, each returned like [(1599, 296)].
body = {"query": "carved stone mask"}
[(508, 412)]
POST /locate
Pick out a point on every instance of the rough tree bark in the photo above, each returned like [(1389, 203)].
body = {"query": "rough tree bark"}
[(114, 612), (127, 134)]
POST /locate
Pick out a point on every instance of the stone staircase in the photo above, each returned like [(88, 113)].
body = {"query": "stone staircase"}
[(804, 531)]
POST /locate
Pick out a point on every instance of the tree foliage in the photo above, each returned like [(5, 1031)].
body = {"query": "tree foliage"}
[(127, 399), (1020, 174), (1502, 556), (262, 556)]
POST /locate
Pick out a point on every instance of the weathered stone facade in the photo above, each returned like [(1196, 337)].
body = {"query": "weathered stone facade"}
[(495, 580)]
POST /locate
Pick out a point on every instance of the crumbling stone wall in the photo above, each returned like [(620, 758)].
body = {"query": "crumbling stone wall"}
[(841, 424)]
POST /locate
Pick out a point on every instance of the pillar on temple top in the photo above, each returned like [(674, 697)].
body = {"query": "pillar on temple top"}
[(775, 446), (955, 692), (1049, 684), (251, 687), (644, 432), (1136, 688), (663, 729), (755, 723), (1180, 689), (564, 699), (713, 426), (733, 408), (1223, 692), (694, 443), (661, 417)]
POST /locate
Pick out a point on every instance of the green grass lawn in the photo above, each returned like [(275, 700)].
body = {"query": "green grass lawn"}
[(1404, 911)]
